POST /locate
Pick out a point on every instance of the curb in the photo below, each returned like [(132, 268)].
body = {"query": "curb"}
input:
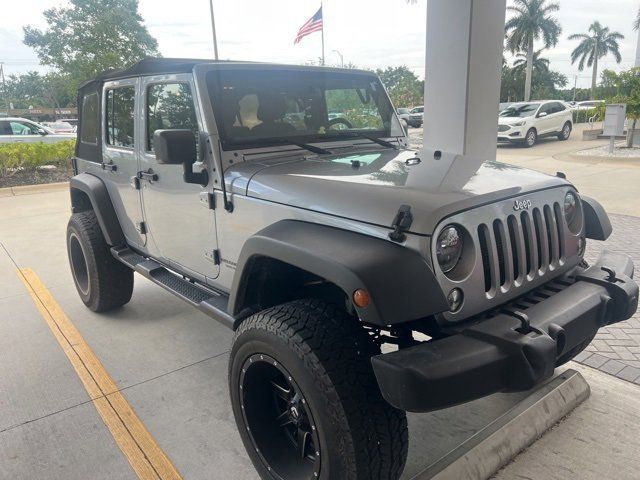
[(497, 444), (32, 189)]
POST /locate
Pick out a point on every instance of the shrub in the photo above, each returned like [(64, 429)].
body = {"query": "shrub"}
[(583, 116), (30, 156)]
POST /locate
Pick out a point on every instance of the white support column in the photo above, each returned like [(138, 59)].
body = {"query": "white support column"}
[(462, 78)]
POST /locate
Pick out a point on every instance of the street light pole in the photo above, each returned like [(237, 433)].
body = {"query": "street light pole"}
[(341, 58), (4, 86), (213, 31)]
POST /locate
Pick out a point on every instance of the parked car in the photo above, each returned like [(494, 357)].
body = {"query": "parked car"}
[(60, 126), (15, 129), (320, 244), (416, 116), (525, 122), (589, 104), (404, 115)]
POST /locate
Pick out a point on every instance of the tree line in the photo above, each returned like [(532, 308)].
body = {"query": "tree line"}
[(87, 37)]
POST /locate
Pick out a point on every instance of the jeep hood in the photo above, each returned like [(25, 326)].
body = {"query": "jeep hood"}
[(371, 186)]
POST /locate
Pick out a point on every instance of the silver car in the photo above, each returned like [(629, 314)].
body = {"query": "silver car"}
[(22, 130)]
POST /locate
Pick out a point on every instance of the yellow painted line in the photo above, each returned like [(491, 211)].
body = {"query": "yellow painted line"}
[(145, 456)]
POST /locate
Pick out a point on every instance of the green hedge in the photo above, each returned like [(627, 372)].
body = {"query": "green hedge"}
[(29, 156), (583, 116)]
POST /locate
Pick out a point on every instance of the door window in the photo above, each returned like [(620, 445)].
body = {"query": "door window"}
[(119, 117), (24, 128), (558, 107), (89, 127), (546, 108), (169, 106)]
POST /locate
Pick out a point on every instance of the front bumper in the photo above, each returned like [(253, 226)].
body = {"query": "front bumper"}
[(515, 348), (511, 134)]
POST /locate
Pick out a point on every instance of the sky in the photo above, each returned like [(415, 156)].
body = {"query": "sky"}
[(368, 33)]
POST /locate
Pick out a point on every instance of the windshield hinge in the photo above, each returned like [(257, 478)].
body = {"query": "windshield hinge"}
[(401, 223), (208, 200)]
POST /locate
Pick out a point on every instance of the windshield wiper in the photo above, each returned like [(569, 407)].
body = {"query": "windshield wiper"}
[(377, 140), (306, 146)]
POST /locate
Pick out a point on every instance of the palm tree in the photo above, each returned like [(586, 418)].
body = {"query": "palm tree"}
[(532, 21), (596, 44), (539, 64)]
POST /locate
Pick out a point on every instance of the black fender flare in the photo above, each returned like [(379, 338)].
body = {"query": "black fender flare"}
[(597, 225), (95, 189), (401, 284)]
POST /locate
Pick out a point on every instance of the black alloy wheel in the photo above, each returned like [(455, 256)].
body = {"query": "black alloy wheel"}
[(278, 419)]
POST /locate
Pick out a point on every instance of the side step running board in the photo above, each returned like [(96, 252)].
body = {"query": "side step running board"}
[(209, 301)]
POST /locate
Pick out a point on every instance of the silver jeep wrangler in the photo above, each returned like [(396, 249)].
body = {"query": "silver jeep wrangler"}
[(361, 281)]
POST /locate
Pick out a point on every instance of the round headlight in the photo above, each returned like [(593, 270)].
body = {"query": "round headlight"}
[(449, 248), (573, 212)]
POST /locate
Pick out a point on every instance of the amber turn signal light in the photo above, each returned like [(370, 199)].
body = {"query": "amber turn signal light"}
[(361, 298)]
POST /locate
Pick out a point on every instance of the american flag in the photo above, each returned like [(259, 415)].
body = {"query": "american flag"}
[(314, 24)]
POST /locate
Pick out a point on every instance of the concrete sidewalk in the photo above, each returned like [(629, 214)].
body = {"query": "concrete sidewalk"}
[(599, 440)]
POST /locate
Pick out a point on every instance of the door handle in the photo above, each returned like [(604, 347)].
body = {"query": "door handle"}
[(149, 175), (109, 166)]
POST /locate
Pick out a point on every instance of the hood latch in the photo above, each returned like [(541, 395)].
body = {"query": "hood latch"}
[(401, 223)]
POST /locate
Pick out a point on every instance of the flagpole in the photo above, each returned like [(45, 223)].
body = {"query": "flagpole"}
[(322, 10), (213, 31)]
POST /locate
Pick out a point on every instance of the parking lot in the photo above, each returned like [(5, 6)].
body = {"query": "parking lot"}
[(144, 388)]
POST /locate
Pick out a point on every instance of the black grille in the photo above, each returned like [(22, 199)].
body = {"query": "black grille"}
[(529, 244), (503, 128)]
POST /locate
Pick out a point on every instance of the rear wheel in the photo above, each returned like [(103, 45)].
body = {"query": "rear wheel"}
[(103, 283), (566, 132), (305, 398), (531, 138)]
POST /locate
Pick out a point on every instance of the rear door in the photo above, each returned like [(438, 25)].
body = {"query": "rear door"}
[(120, 135), (180, 221), (559, 116)]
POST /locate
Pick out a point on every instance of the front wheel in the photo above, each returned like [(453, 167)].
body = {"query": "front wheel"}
[(531, 138), (305, 398), (566, 132)]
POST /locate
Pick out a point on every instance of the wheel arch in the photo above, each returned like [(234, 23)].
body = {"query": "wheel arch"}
[(401, 284), (88, 192)]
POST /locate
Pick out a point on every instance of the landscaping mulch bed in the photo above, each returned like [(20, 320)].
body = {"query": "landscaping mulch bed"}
[(36, 177)]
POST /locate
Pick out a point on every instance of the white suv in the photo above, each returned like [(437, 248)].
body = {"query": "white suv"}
[(525, 122)]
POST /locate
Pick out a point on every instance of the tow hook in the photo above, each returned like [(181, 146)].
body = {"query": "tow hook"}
[(525, 327), (612, 274)]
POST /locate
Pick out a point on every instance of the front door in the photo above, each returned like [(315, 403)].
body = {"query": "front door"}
[(545, 123), (178, 218), (120, 137)]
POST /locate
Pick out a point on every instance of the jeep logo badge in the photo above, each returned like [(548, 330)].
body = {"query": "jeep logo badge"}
[(521, 205)]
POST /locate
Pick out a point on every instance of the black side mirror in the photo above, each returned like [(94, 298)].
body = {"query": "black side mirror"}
[(175, 147), (42, 131)]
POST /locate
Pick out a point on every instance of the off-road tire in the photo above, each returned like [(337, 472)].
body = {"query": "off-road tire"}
[(328, 355), (103, 283), (530, 138), (574, 351), (565, 133)]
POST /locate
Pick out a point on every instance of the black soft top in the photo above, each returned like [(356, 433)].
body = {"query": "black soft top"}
[(146, 66)]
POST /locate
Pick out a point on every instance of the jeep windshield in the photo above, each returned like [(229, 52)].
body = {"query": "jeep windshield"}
[(258, 108), (520, 111)]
